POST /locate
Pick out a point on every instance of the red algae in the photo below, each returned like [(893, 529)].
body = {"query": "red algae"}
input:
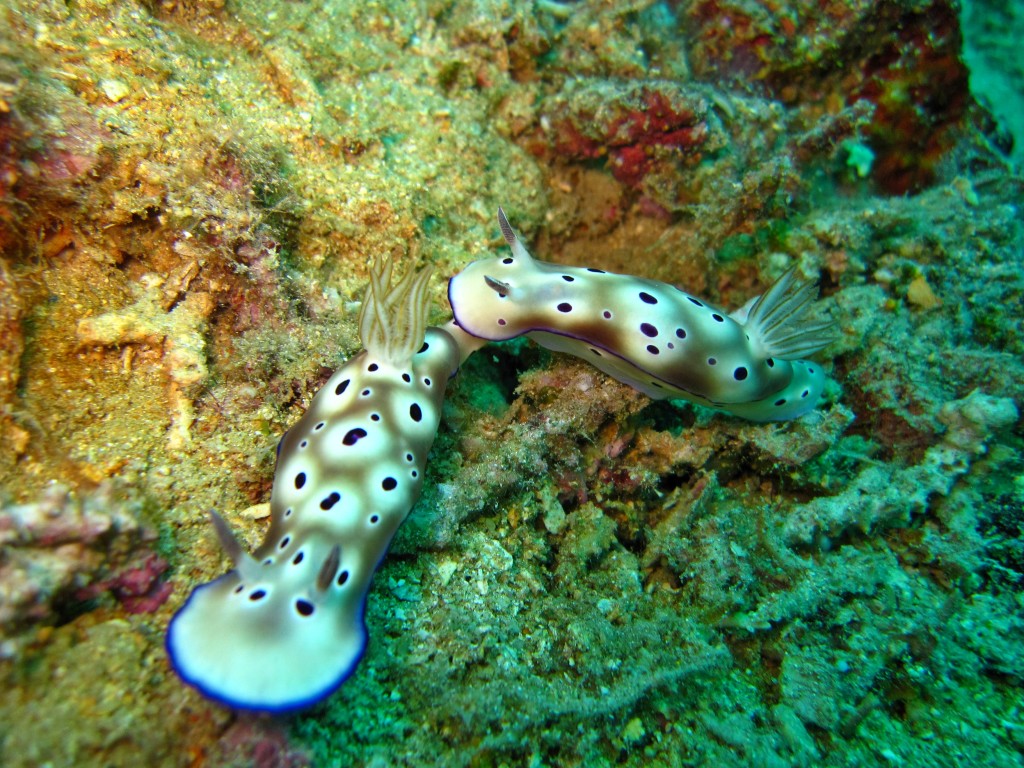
[(625, 122)]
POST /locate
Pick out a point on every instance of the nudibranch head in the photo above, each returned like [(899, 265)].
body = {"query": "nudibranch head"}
[(649, 334), (273, 642), (285, 627)]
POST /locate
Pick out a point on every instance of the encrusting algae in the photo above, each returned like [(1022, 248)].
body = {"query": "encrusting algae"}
[(193, 196)]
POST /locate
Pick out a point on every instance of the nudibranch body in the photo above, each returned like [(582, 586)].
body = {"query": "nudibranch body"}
[(285, 627), (652, 335)]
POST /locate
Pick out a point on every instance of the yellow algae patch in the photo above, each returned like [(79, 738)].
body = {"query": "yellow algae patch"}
[(920, 294), (179, 328), (634, 731)]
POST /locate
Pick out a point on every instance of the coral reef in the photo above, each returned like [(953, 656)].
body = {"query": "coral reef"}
[(191, 195)]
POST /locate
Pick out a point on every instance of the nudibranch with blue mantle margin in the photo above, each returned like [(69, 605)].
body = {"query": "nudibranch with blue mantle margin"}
[(651, 335), (285, 627)]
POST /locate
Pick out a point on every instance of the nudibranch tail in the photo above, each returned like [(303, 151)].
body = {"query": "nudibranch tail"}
[(285, 627), (651, 335), (466, 342)]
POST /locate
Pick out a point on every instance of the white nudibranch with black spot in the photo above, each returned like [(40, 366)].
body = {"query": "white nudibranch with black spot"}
[(652, 335), (285, 627)]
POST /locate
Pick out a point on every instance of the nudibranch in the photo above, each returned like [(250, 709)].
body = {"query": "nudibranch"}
[(652, 335), (285, 627)]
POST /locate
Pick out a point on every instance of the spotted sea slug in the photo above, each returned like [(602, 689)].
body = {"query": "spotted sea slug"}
[(652, 335), (285, 627)]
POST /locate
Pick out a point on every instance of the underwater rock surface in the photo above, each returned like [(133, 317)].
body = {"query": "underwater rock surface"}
[(191, 194)]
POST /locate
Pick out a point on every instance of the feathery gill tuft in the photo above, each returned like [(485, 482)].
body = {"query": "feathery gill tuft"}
[(393, 319), (778, 322)]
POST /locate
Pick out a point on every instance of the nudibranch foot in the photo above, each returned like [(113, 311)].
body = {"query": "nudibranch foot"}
[(285, 628)]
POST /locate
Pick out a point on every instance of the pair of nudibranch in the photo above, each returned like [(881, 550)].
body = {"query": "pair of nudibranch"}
[(285, 627)]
